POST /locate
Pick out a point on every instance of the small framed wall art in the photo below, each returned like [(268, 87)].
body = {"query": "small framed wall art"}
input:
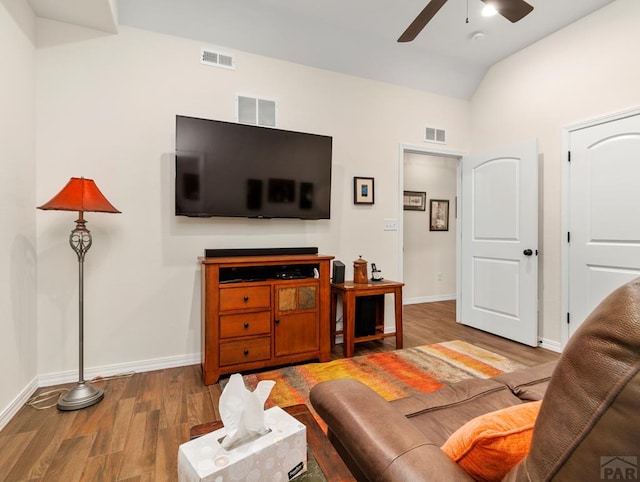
[(439, 215), (414, 200), (363, 192)]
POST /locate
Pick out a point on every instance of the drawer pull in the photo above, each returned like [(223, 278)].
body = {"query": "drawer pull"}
[(246, 325), (246, 298), (246, 352), (277, 320)]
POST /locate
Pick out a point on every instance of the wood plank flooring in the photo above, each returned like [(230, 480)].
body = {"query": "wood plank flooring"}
[(134, 433)]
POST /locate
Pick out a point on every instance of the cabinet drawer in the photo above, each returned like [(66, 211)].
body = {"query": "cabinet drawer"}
[(245, 324), (245, 351), (245, 297)]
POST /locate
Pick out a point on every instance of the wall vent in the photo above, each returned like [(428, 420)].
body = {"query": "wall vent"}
[(216, 59), (254, 111), (433, 134)]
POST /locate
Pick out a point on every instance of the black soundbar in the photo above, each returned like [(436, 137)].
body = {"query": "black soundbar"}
[(226, 252)]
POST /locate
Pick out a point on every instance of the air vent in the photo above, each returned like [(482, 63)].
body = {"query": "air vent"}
[(254, 111), (433, 134), (216, 59)]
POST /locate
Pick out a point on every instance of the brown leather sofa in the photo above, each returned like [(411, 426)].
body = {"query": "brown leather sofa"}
[(590, 411)]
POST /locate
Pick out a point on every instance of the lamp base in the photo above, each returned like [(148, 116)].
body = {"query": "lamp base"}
[(83, 395)]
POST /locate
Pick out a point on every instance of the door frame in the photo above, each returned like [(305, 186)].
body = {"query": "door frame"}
[(565, 281), (437, 152)]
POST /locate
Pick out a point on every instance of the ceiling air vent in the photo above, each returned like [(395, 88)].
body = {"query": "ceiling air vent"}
[(432, 134), (216, 59)]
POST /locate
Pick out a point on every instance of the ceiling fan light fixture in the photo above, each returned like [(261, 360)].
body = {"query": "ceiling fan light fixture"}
[(489, 11), (512, 10)]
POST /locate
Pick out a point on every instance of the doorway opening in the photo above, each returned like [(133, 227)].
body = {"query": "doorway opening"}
[(429, 254)]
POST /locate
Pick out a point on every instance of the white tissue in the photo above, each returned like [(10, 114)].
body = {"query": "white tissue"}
[(242, 411)]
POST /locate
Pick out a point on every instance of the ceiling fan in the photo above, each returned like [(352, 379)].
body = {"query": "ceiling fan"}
[(512, 10)]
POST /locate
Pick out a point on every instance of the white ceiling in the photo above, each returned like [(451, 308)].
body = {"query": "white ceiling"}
[(356, 37)]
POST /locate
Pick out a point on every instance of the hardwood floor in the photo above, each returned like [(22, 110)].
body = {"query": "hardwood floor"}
[(435, 322), (134, 433)]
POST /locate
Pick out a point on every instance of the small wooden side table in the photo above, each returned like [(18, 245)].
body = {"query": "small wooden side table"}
[(349, 291)]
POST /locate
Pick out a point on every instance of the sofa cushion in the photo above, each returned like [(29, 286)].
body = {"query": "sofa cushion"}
[(488, 446), (438, 414), (376, 441)]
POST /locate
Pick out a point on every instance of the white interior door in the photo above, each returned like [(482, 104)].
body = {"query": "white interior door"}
[(604, 199), (499, 287)]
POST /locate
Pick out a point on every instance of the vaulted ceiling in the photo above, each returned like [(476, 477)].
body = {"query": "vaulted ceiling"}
[(356, 37)]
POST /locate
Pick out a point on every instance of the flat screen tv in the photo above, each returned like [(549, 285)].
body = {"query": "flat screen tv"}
[(229, 169)]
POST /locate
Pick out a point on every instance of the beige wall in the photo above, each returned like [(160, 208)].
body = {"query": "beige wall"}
[(429, 257), (584, 71), (18, 354), (107, 107)]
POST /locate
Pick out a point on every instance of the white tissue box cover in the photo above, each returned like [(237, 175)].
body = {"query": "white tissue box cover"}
[(279, 455)]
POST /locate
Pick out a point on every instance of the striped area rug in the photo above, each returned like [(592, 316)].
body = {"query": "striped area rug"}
[(393, 374)]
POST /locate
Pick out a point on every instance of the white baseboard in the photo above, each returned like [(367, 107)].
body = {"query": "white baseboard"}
[(48, 379), (7, 414), (428, 299), (70, 376), (550, 345)]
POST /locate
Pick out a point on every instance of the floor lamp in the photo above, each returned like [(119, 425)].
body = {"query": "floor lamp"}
[(80, 195)]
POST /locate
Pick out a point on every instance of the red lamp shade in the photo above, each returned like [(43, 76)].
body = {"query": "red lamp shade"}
[(80, 194)]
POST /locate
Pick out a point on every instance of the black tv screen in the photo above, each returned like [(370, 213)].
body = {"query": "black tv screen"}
[(229, 169)]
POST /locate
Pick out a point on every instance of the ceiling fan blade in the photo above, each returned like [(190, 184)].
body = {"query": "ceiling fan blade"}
[(421, 20), (512, 10)]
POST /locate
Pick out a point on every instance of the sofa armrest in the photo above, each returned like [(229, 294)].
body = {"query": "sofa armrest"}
[(379, 440)]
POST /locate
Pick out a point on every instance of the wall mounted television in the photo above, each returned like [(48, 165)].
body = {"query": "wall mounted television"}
[(239, 170)]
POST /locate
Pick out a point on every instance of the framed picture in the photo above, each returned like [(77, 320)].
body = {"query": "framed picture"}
[(439, 215), (363, 190), (414, 201)]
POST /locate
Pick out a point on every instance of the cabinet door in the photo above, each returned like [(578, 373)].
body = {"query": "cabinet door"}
[(296, 319)]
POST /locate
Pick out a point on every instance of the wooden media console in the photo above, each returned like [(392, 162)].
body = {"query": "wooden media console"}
[(264, 311)]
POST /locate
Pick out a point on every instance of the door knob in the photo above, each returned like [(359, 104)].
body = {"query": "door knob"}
[(527, 252)]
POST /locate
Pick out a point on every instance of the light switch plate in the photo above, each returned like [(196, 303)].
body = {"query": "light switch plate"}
[(390, 224)]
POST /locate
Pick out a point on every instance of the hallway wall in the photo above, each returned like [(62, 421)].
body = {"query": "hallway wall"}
[(429, 257)]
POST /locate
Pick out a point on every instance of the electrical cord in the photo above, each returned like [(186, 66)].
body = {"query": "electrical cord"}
[(36, 400), (45, 397)]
